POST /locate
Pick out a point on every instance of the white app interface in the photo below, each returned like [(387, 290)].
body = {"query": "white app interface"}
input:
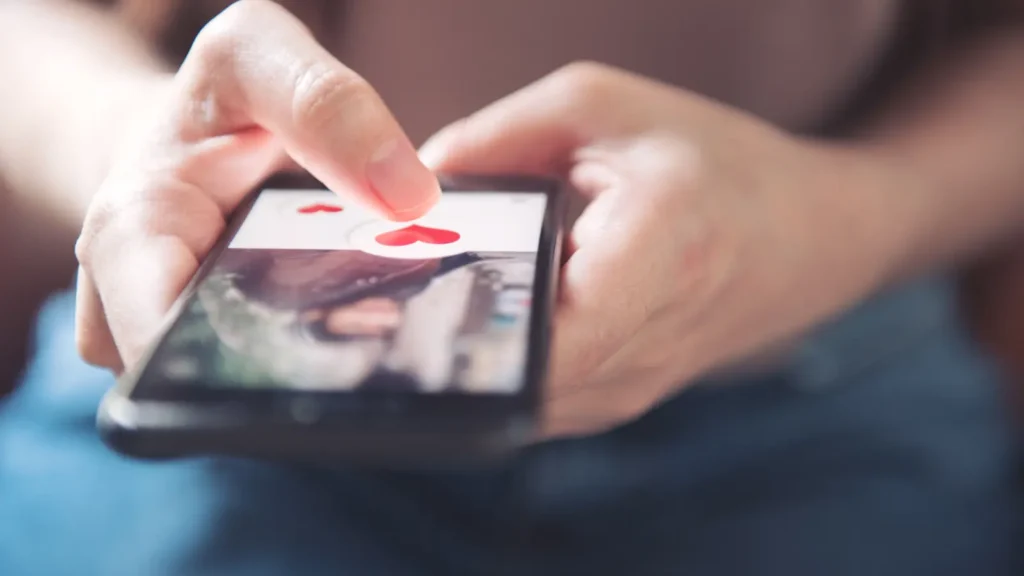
[(461, 222)]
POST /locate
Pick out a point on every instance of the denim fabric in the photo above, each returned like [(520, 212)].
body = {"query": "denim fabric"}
[(880, 448)]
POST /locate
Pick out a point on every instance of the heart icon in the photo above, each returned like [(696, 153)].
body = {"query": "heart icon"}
[(314, 208), (416, 233)]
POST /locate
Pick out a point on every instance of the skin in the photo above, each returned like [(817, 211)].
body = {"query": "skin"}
[(254, 91), (703, 268), (709, 237)]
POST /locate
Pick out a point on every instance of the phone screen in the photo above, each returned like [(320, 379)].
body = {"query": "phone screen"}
[(314, 293)]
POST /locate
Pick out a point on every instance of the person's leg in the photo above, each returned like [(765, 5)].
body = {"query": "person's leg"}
[(882, 452), (68, 505), (881, 449)]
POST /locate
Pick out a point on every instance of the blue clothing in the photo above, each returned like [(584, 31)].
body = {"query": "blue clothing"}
[(879, 449)]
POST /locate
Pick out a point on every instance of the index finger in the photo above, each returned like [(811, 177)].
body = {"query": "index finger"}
[(254, 81), (257, 65)]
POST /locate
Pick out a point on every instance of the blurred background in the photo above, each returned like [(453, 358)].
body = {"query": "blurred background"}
[(37, 259)]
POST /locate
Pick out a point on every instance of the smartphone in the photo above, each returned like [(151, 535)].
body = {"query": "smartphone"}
[(318, 330)]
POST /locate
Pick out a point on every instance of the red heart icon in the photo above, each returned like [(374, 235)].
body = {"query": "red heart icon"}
[(416, 233), (314, 208)]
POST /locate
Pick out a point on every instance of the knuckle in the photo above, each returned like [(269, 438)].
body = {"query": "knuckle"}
[(143, 207), (119, 213), (682, 161), (217, 44), (323, 91), (91, 349), (237, 17), (673, 173), (221, 40), (83, 249), (585, 84), (97, 219), (585, 71)]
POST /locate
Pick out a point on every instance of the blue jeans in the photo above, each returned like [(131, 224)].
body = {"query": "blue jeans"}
[(880, 448)]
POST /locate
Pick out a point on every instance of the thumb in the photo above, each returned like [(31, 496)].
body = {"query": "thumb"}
[(539, 128)]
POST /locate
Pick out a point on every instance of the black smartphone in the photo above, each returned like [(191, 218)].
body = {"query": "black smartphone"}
[(318, 330)]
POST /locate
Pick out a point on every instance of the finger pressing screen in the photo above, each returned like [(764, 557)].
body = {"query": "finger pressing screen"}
[(255, 86), (257, 65)]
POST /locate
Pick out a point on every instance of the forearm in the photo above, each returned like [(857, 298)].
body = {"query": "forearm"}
[(953, 146), (69, 73)]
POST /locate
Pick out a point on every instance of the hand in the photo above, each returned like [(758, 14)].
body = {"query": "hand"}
[(709, 235), (255, 92)]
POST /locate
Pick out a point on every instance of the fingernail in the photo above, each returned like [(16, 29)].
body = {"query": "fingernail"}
[(401, 182)]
